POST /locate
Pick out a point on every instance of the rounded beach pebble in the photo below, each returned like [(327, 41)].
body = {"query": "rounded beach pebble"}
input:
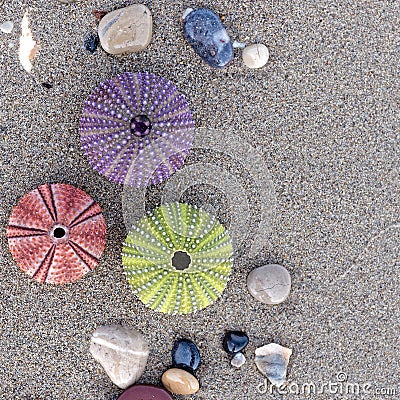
[(7, 27), (269, 284), (179, 381), (238, 360), (255, 55), (126, 30)]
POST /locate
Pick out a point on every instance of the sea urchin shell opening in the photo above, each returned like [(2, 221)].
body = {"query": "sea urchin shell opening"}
[(140, 125), (59, 233), (181, 260)]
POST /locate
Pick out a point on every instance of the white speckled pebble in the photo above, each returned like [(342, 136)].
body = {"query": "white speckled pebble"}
[(255, 55), (269, 284)]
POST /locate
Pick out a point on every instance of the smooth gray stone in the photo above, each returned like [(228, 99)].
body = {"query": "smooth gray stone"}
[(269, 284)]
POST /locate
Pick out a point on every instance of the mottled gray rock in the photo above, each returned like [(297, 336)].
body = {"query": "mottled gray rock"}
[(126, 30), (272, 361), (255, 55), (121, 351), (204, 31), (238, 360), (269, 284)]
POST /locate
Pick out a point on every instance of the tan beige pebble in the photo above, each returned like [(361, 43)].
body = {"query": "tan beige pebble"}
[(179, 381), (126, 30), (255, 55)]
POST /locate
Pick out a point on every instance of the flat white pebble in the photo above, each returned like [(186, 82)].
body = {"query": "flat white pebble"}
[(255, 55)]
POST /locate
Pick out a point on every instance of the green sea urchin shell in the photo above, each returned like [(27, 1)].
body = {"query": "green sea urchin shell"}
[(178, 259)]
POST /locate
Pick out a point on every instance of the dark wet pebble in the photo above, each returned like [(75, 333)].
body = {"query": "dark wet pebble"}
[(204, 31), (185, 355), (235, 341), (91, 42), (47, 85)]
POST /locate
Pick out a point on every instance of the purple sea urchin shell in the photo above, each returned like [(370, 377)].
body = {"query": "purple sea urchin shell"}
[(136, 129), (56, 233)]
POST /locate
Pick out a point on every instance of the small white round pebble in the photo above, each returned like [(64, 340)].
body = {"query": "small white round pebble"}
[(238, 360), (255, 55), (7, 27), (269, 284)]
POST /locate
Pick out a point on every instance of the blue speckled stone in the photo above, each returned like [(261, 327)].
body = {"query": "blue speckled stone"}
[(205, 33), (185, 355)]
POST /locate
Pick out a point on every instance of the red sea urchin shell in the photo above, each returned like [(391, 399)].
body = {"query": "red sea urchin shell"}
[(56, 233)]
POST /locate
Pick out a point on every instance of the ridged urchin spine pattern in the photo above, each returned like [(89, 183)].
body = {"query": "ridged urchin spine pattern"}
[(56, 233), (136, 129), (151, 245)]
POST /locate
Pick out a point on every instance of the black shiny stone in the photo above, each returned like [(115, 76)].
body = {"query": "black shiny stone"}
[(185, 355), (235, 341), (204, 31), (91, 42)]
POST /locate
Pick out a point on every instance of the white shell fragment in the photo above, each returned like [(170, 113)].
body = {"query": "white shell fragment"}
[(269, 284), (272, 361), (27, 46), (238, 360), (255, 55), (7, 27), (121, 351)]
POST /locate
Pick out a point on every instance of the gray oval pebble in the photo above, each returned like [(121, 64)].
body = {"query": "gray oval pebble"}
[(269, 284)]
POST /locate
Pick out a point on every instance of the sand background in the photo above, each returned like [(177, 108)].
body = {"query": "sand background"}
[(325, 114)]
